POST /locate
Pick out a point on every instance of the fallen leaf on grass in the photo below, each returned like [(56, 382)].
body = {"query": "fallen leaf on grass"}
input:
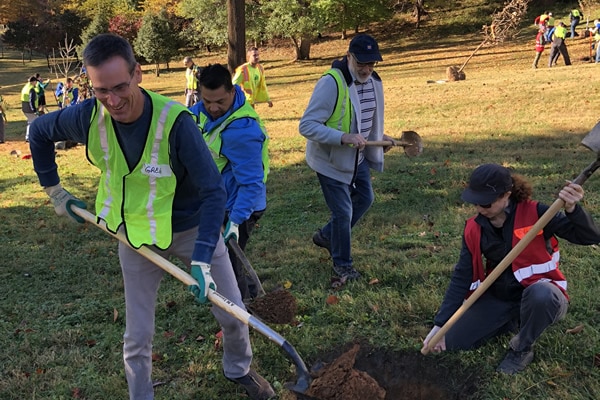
[(374, 281), (332, 299), (115, 314), (76, 393), (168, 334), (287, 284), (551, 383), (200, 338), (575, 330), (90, 343), (156, 357), (218, 340)]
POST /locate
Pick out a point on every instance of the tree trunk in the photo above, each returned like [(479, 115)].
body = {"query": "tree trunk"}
[(157, 69), (304, 49), (236, 34)]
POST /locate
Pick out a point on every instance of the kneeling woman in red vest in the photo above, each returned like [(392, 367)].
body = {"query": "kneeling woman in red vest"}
[(531, 294)]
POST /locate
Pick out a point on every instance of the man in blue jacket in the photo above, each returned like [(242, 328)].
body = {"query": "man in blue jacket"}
[(238, 142), (160, 187)]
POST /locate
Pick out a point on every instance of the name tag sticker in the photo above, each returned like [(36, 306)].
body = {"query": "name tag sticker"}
[(156, 170)]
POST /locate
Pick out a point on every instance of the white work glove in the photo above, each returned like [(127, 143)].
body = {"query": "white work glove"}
[(232, 231), (440, 345), (62, 201), (201, 272)]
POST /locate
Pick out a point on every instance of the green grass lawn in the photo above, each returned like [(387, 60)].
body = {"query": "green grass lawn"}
[(62, 310)]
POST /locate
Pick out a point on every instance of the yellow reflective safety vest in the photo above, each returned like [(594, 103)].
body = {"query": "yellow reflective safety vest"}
[(141, 198), (560, 32), (190, 77), (25, 94), (341, 118), (214, 141)]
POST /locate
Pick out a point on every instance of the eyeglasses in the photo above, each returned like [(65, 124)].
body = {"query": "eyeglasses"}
[(121, 90), (363, 65)]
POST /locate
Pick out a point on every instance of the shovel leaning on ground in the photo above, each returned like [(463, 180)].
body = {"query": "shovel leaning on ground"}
[(410, 140), (592, 142), (217, 299)]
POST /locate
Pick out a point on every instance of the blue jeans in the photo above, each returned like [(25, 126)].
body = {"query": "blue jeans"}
[(574, 23), (541, 305), (347, 203), (598, 51)]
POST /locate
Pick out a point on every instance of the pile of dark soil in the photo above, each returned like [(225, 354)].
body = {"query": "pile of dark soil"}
[(278, 307), (393, 375)]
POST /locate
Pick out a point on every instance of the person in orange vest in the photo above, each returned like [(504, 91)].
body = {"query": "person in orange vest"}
[(251, 77), (531, 294), (539, 45)]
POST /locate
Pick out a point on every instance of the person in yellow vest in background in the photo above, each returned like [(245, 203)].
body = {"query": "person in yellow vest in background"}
[(595, 31), (558, 45), (550, 24), (575, 15), (251, 77), (192, 74), (29, 103)]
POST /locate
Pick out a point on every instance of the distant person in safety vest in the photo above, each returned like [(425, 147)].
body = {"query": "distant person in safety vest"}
[(29, 103), (575, 16), (192, 74), (251, 77), (559, 46), (531, 293), (160, 187)]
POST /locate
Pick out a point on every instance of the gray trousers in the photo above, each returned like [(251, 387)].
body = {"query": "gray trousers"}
[(30, 118), (541, 305), (142, 280)]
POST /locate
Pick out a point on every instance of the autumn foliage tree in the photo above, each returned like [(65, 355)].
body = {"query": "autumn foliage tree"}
[(157, 41)]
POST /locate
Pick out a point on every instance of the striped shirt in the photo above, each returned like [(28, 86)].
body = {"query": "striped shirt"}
[(366, 94)]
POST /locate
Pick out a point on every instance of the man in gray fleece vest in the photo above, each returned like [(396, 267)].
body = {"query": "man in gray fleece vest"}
[(344, 112)]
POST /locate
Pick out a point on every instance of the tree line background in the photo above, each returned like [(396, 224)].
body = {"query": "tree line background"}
[(161, 30)]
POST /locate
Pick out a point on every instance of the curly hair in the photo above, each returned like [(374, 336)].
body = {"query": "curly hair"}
[(522, 189)]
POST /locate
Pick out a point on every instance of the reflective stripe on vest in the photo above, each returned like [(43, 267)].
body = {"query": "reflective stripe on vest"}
[(214, 141), (141, 199), (341, 118)]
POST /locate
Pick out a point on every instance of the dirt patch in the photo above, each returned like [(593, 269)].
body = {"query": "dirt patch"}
[(278, 307), (395, 375)]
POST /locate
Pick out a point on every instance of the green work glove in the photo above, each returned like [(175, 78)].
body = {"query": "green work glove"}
[(232, 231), (62, 201), (201, 272)]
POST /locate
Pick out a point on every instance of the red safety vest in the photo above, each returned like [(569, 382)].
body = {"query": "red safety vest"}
[(533, 264)]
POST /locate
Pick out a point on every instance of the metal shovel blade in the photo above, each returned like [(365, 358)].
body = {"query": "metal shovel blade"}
[(592, 139)]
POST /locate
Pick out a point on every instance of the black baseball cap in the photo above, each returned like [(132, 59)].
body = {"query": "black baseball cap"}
[(487, 183), (365, 49)]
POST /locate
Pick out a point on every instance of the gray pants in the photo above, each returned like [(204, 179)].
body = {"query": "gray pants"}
[(30, 118), (142, 280), (541, 305)]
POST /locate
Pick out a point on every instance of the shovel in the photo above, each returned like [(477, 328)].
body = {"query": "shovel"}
[(217, 299), (410, 140), (591, 141), (239, 253)]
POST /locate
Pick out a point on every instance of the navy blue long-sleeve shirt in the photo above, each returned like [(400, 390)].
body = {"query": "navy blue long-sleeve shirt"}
[(200, 194)]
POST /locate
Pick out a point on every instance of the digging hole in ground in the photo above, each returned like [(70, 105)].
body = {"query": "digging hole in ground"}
[(366, 373)]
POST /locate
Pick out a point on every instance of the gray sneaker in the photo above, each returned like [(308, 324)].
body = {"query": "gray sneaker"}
[(346, 272), (255, 385), (515, 361)]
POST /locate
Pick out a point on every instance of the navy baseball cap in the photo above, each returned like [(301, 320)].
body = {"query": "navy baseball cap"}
[(365, 49), (487, 183)]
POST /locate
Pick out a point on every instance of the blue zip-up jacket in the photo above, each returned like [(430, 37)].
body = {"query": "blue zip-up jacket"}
[(242, 142), (200, 195)]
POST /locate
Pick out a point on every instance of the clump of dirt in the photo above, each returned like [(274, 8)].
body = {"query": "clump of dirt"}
[(278, 307), (340, 381), (402, 375)]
